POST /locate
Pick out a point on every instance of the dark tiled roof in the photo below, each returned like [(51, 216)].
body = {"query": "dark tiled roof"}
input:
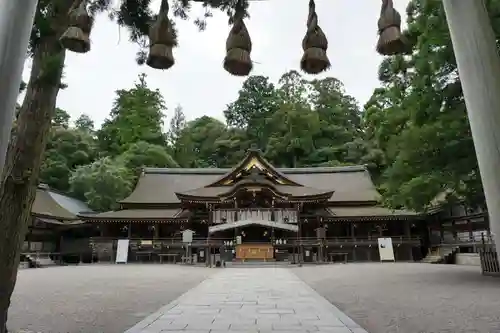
[(57, 206), (367, 211), (145, 214), (159, 185), (287, 190)]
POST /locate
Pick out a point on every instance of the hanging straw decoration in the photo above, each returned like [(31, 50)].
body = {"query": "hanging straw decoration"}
[(161, 40), (76, 36), (238, 47), (314, 44), (391, 41)]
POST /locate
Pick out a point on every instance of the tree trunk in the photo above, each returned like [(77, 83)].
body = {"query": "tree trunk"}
[(24, 157)]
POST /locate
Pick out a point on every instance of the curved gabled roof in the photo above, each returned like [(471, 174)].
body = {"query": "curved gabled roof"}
[(289, 192), (160, 185), (50, 204), (253, 158), (146, 215)]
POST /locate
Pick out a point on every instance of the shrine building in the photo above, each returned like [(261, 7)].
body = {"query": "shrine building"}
[(255, 211)]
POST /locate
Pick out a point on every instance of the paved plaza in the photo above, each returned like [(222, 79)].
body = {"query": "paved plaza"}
[(381, 298), (250, 300)]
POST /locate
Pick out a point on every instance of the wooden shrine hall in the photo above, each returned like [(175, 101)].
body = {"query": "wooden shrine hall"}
[(255, 211)]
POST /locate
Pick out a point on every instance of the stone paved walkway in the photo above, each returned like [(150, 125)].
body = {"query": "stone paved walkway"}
[(249, 300)]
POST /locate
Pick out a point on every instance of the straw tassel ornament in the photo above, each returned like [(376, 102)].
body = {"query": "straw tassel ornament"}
[(315, 45), (162, 40), (390, 41), (238, 48), (76, 38)]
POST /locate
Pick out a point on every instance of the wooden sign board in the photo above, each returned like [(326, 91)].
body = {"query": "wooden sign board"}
[(254, 252)]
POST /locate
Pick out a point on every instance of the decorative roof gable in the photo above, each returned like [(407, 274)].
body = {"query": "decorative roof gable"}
[(253, 165)]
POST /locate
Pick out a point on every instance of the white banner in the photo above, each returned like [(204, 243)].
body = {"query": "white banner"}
[(122, 251), (187, 236), (385, 249)]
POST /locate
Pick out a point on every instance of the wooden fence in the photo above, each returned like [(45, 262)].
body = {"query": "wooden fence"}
[(489, 258)]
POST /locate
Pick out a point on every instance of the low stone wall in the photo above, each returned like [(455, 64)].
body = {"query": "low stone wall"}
[(24, 265), (469, 259)]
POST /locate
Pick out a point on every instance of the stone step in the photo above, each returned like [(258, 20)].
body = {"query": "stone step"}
[(257, 263), (41, 261)]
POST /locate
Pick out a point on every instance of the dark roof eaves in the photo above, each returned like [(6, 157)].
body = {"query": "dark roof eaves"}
[(54, 217), (189, 171), (306, 170)]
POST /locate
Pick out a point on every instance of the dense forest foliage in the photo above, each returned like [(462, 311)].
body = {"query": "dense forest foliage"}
[(413, 133), (295, 123)]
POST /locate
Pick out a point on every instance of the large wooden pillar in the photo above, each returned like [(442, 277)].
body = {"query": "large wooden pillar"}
[(235, 219), (408, 236), (353, 237), (157, 231), (471, 234), (102, 229), (454, 230), (272, 217), (299, 235), (209, 245), (321, 237), (441, 231)]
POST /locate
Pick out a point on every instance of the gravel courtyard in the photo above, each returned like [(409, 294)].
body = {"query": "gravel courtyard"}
[(409, 297), (96, 299), (383, 298)]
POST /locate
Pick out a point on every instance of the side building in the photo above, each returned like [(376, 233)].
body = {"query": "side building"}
[(54, 227), (257, 211)]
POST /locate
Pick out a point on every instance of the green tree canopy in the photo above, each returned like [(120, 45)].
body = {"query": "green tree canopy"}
[(142, 154), (137, 115), (418, 119), (66, 149), (84, 123), (195, 144), (61, 118), (102, 183)]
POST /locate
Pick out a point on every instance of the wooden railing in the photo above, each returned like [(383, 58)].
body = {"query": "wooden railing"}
[(177, 241), (490, 263), (173, 249), (266, 214), (354, 240), (467, 240)]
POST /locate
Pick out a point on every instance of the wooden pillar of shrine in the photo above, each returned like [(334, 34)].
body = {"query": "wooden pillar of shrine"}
[(300, 249), (454, 230), (157, 231), (471, 234), (209, 245), (321, 237), (353, 236), (102, 229), (272, 217), (441, 230), (487, 223), (408, 236), (469, 228), (235, 219)]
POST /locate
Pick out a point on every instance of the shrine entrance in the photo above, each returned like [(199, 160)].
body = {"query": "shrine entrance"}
[(253, 239)]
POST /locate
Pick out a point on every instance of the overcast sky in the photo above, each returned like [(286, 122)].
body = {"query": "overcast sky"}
[(198, 82)]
